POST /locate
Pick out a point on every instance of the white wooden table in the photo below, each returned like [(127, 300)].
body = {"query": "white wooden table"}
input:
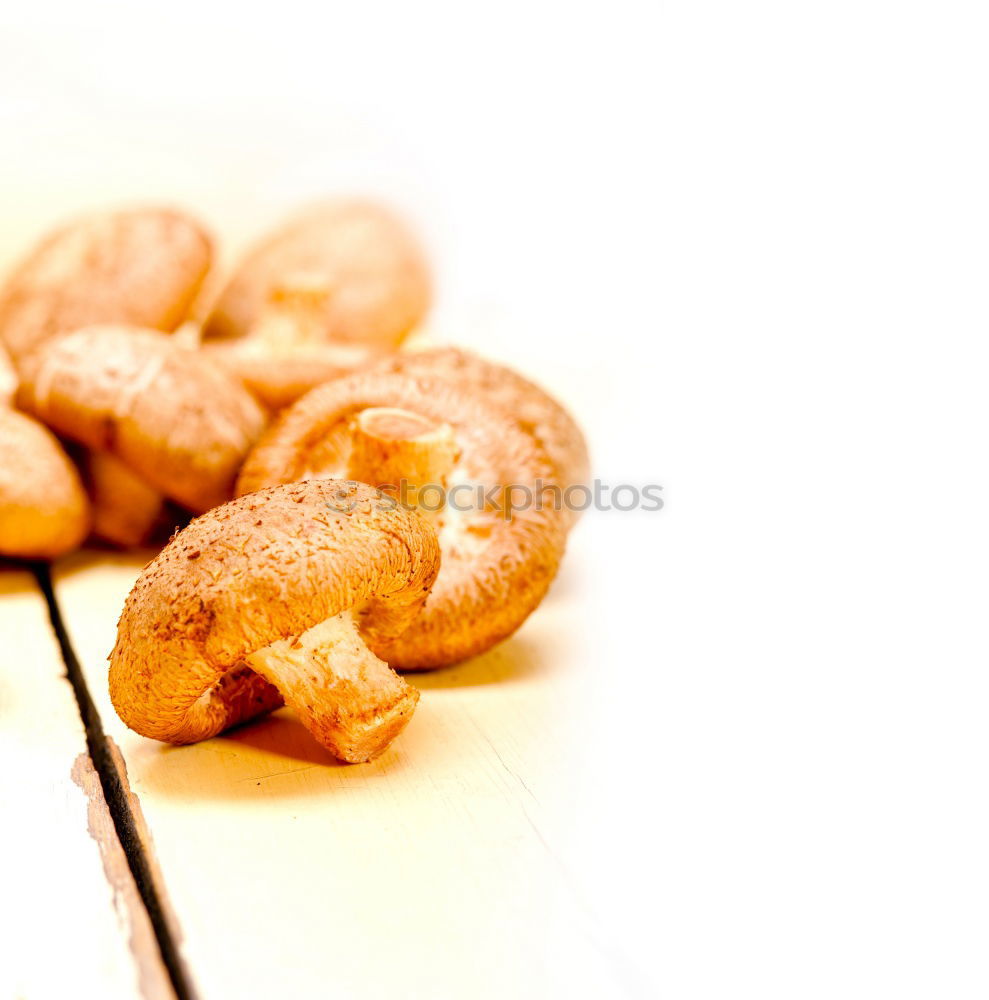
[(71, 912), (432, 872)]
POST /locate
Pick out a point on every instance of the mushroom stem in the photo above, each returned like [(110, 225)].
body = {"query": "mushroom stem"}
[(351, 701), (295, 313), (404, 454)]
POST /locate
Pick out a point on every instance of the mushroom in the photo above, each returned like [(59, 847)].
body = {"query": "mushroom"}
[(429, 443), (44, 512), (286, 354), (533, 409), (291, 593), (8, 379), (140, 266), (126, 509), (375, 276), (174, 419)]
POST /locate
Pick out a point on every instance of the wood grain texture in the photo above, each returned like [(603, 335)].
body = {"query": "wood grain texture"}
[(71, 913), (431, 872)]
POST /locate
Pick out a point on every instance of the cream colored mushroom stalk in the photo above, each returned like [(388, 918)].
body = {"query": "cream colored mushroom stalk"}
[(294, 313), (403, 454), (351, 701), (287, 594)]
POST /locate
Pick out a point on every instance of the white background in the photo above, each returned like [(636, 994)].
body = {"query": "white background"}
[(749, 242)]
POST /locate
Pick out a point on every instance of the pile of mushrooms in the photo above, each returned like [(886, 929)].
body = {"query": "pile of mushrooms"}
[(323, 458)]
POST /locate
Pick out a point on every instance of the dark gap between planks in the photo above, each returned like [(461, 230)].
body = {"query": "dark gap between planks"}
[(116, 795)]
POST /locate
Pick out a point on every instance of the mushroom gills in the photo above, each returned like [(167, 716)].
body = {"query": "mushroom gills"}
[(351, 701)]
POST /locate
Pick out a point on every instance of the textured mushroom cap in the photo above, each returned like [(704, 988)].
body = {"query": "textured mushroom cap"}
[(139, 266), (44, 512), (534, 409), (264, 567), (177, 420), (376, 272), (279, 378), (495, 570)]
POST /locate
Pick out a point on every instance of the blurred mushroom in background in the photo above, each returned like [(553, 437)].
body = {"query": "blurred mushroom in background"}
[(126, 508), (340, 284), (369, 264), (286, 353), (139, 266), (175, 420), (44, 512), (8, 379)]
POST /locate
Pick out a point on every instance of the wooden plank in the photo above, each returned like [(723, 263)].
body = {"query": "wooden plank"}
[(72, 915), (432, 872)]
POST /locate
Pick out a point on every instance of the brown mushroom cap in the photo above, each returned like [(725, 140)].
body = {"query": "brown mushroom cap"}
[(249, 581), (534, 409), (495, 570), (377, 279), (44, 512), (141, 267), (179, 422)]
